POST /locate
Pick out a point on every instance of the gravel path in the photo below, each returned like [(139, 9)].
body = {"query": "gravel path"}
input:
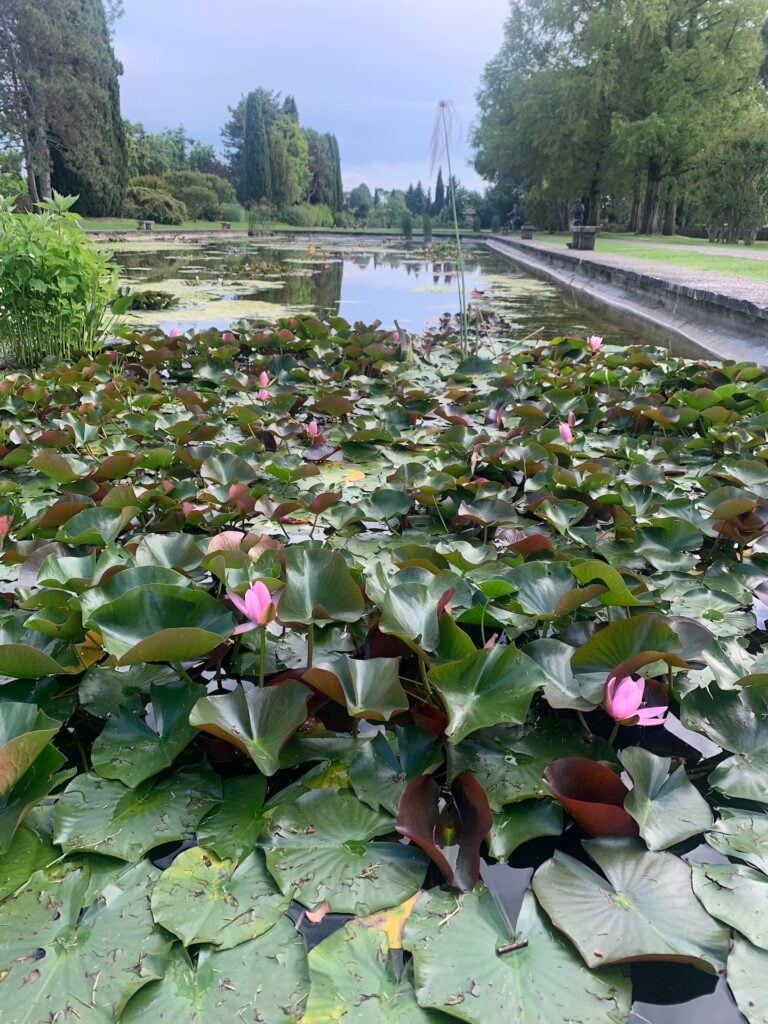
[(737, 287)]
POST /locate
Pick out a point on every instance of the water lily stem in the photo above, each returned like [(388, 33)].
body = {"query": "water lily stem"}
[(310, 645), (183, 672), (585, 723), (262, 653), (614, 734)]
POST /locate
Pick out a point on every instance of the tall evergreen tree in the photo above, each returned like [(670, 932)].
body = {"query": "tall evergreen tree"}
[(256, 182), (290, 109), (439, 202), (59, 94), (337, 190)]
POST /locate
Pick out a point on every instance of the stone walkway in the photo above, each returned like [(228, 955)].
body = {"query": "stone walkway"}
[(746, 289)]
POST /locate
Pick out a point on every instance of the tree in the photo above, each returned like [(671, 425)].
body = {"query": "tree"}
[(730, 182), (290, 110), (591, 99), (256, 180), (59, 95), (337, 190), (360, 201), (439, 202), (289, 162)]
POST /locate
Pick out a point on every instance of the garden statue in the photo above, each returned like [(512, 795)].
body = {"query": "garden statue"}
[(578, 213)]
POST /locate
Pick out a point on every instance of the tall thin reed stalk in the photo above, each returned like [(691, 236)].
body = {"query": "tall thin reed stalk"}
[(445, 125)]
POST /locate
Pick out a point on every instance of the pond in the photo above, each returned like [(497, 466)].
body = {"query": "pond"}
[(360, 280)]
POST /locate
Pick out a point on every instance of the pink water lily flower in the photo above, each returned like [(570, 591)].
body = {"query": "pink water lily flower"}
[(174, 332), (595, 342), (263, 394), (263, 379), (565, 432), (312, 428), (623, 699), (227, 336), (257, 606)]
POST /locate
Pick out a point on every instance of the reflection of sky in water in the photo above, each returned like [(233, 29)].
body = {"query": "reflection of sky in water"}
[(352, 280)]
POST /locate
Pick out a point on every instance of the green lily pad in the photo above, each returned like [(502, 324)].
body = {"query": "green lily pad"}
[(130, 750), (515, 825), (162, 622), (319, 588), (747, 967), (105, 690), (232, 828), (41, 777), (258, 722), (667, 808), (510, 761), (203, 899), (743, 835), (459, 970), (24, 732), (318, 848), (353, 982), (488, 688), (264, 980), (737, 895), (104, 816), (91, 963), (29, 851), (372, 688), (646, 910), (627, 646)]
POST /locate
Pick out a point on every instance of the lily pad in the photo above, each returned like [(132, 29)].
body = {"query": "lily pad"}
[(743, 835), (488, 688), (130, 750), (319, 848), (737, 895), (644, 909), (104, 816), (60, 963), (24, 733), (232, 828), (264, 980), (460, 966), (162, 622), (319, 588), (515, 825), (258, 722), (747, 967), (667, 808), (203, 899)]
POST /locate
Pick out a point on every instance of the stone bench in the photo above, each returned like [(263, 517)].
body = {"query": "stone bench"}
[(146, 225), (526, 232), (226, 226)]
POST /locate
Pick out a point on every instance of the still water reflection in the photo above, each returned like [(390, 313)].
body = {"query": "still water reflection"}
[(220, 282)]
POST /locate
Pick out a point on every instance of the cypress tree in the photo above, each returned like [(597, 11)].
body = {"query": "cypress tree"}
[(290, 109), (256, 183), (70, 120), (337, 187), (439, 202)]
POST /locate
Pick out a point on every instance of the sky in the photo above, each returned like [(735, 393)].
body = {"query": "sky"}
[(371, 71)]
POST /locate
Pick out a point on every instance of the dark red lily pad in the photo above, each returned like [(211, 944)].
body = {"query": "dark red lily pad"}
[(592, 794), (449, 826)]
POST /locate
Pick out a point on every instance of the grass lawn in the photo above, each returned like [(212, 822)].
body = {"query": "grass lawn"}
[(118, 224), (720, 261)]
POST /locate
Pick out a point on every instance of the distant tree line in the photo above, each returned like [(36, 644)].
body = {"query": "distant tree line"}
[(651, 111)]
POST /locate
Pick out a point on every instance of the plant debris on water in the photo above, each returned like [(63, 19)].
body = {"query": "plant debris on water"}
[(315, 621)]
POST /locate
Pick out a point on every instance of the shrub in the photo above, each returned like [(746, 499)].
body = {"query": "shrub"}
[(233, 212), (156, 182), (11, 185), (54, 285), (178, 182), (496, 224), (152, 204), (426, 222), (201, 203), (406, 225), (306, 216)]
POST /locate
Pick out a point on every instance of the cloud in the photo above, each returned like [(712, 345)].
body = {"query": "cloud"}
[(369, 71)]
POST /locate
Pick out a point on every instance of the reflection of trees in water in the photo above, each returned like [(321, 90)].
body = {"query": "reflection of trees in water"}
[(320, 288)]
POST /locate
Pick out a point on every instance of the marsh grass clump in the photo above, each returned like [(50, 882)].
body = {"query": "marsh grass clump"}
[(55, 286)]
